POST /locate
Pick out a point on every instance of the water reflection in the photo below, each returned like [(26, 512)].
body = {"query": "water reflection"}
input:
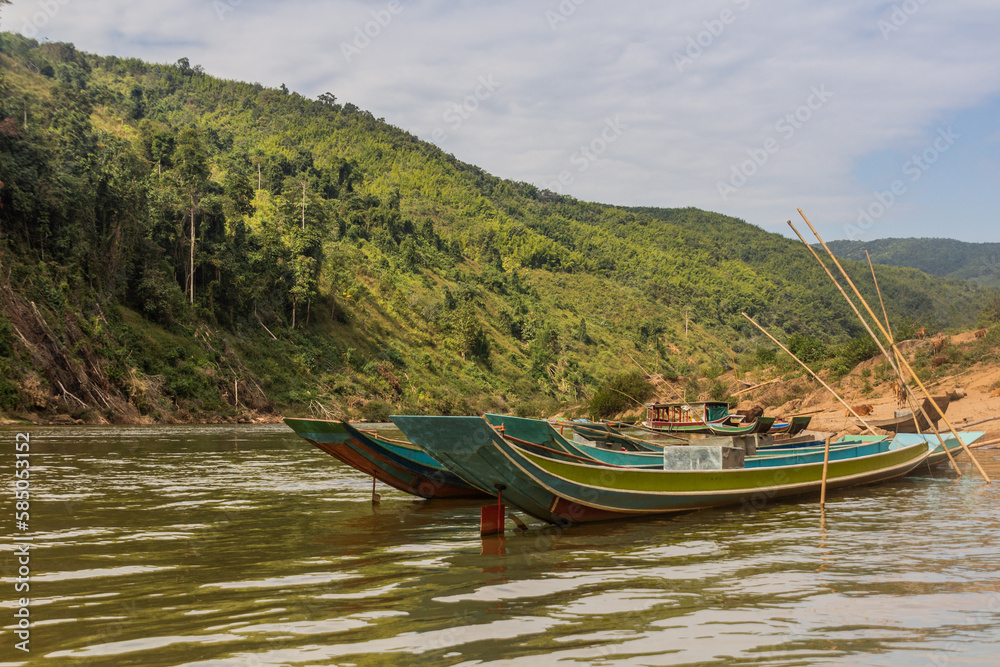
[(244, 546)]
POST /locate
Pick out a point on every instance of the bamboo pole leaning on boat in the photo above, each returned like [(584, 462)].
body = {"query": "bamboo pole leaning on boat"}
[(818, 378), (899, 354), (871, 333), (911, 401), (879, 291)]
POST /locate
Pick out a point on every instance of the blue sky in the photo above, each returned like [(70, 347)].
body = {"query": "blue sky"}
[(739, 106)]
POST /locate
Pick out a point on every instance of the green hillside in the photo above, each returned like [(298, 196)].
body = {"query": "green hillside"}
[(342, 266), (947, 258)]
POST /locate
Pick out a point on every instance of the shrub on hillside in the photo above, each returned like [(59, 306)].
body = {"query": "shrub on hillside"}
[(990, 314), (719, 391), (376, 411), (806, 348), (619, 394)]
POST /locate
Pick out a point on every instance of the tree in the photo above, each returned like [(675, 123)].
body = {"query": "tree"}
[(472, 337), (622, 392), (161, 147), (191, 162), (304, 272)]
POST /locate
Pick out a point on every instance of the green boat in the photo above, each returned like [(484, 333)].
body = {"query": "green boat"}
[(762, 425), (686, 417), (711, 417), (539, 436), (399, 464), (611, 435), (565, 492)]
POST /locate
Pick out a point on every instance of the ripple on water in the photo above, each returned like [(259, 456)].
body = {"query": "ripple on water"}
[(308, 579), (240, 546), (120, 571)]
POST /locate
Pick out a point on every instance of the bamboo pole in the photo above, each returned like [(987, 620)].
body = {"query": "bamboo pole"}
[(637, 364), (888, 327), (756, 386), (948, 423), (899, 355), (826, 467), (879, 290), (871, 333), (818, 378), (909, 397), (981, 421)]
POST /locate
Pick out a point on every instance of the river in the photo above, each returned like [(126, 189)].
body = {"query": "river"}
[(246, 546)]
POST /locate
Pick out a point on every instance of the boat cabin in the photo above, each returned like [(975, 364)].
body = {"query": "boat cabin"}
[(671, 415)]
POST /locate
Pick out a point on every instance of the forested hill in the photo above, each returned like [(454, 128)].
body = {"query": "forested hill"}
[(176, 246), (976, 262)]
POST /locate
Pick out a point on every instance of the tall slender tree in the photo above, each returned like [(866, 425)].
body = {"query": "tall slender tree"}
[(191, 162)]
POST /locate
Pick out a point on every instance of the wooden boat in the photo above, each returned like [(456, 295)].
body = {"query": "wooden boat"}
[(762, 425), (539, 436), (907, 424), (560, 491), (686, 417), (610, 434), (703, 417), (792, 427), (789, 442), (399, 464), (937, 456)]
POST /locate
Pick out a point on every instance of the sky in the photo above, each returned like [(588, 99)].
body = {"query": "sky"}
[(877, 119)]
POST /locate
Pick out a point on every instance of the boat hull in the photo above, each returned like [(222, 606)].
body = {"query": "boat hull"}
[(568, 492), (426, 479)]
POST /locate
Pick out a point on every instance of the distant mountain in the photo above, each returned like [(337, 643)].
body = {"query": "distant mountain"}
[(947, 258)]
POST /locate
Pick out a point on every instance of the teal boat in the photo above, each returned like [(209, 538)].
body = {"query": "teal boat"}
[(603, 432), (399, 464), (564, 492), (792, 427), (761, 425), (938, 456), (687, 417), (701, 417), (541, 437)]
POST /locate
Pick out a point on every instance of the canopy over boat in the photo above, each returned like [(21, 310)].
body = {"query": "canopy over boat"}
[(687, 417)]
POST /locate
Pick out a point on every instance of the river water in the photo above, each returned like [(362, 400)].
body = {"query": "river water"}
[(226, 545)]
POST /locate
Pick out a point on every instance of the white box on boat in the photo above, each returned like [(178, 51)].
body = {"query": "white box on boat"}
[(698, 457)]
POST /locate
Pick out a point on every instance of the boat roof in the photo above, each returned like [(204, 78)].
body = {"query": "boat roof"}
[(686, 404)]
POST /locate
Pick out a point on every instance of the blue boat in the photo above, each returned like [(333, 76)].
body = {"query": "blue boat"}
[(541, 437), (938, 456)]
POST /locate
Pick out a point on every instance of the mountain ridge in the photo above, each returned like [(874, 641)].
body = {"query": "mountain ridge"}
[(948, 258), (341, 266)]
